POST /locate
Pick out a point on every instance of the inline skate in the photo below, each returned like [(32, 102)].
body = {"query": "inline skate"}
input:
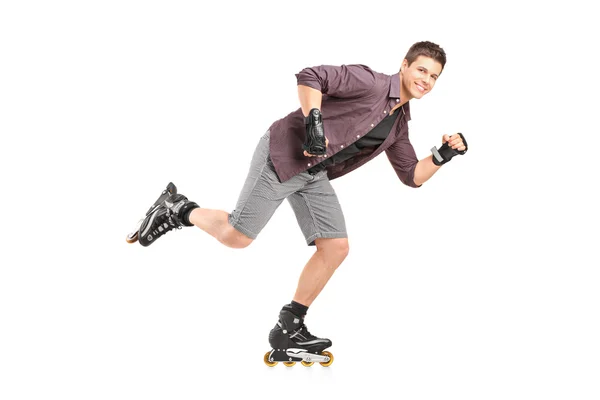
[(167, 213), (291, 342)]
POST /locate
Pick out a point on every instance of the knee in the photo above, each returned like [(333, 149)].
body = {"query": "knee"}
[(335, 249), (235, 239)]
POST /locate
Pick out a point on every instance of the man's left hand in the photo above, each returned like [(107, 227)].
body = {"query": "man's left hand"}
[(454, 141), (452, 145)]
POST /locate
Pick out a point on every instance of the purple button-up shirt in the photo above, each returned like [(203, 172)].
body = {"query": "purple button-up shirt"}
[(355, 100)]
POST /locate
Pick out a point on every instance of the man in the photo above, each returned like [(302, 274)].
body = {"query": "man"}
[(349, 114)]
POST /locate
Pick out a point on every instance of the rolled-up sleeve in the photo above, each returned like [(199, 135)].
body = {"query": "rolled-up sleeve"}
[(343, 81), (402, 156)]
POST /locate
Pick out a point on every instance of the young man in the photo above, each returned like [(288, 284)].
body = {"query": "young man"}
[(349, 114)]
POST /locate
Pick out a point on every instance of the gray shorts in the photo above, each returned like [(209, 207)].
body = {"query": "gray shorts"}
[(311, 196)]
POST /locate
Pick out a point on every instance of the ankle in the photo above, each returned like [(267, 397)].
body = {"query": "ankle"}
[(186, 212), (298, 309)]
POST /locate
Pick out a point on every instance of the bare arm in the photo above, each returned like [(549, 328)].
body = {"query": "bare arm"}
[(424, 170), (309, 98)]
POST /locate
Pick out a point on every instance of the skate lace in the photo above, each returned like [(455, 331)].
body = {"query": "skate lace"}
[(167, 222), (174, 219), (304, 331)]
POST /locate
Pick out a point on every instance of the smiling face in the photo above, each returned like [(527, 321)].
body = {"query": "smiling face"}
[(418, 78)]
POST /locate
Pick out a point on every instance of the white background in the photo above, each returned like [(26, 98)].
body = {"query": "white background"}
[(482, 284)]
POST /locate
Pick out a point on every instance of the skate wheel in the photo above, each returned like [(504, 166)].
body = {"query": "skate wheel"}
[(132, 238), (289, 363), (328, 354), (266, 359), (306, 363)]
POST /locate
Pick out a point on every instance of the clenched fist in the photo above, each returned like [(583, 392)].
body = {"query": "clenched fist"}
[(452, 145), (455, 142), (315, 155)]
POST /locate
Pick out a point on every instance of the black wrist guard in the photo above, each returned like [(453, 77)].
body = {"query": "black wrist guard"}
[(445, 153), (315, 136)]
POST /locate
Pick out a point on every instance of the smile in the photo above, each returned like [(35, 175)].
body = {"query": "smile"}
[(421, 88)]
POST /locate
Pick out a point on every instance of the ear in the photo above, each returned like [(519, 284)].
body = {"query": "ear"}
[(404, 64)]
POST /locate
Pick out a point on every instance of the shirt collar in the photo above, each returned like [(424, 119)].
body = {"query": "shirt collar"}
[(395, 93), (395, 86)]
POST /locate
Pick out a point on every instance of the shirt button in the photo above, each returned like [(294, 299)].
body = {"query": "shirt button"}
[(385, 112), (325, 155), (309, 164), (372, 125), (357, 135), (342, 146), (397, 100)]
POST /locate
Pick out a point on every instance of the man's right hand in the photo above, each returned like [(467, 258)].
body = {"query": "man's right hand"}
[(316, 142), (307, 154)]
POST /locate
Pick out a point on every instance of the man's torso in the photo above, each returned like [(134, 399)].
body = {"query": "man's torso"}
[(346, 120)]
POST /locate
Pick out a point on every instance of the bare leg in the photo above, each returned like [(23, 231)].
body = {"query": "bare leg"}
[(216, 224), (321, 266)]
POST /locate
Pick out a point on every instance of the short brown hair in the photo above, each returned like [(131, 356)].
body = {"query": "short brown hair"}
[(427, 49)]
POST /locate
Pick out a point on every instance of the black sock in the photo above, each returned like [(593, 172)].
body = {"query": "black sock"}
[(188, 208), (299, 309)]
